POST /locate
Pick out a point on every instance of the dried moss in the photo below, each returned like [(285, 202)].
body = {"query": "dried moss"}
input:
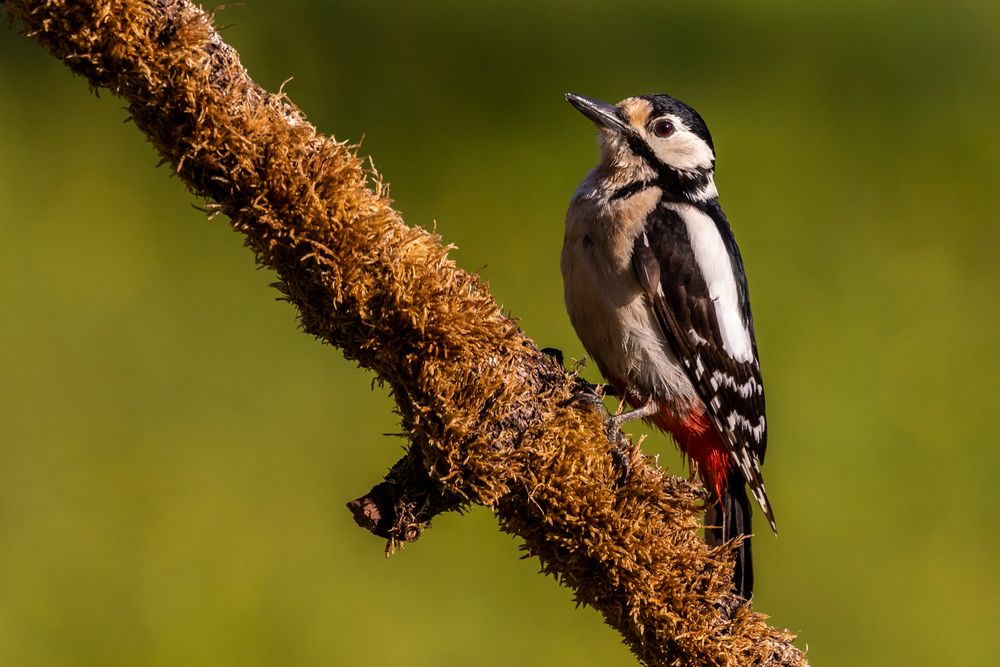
[(488, 414)]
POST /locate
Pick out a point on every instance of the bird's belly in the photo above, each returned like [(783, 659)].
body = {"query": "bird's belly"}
[(619, 330)]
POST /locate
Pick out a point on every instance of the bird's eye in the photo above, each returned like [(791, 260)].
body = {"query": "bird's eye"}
[(663, 128)]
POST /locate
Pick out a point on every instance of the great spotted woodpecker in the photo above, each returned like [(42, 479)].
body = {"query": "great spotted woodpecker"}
[(655, 288)]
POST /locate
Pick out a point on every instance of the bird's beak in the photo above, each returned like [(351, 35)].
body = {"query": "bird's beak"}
[(602, 113)]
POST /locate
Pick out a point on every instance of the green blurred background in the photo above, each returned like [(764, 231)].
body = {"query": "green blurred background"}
[(175, 456)]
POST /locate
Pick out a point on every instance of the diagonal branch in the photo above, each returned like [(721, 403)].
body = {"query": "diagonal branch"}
[(488, 415)]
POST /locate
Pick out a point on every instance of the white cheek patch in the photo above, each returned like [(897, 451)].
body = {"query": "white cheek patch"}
[(683, 149)]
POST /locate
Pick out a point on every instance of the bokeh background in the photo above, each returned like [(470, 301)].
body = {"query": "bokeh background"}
[(175, 455)]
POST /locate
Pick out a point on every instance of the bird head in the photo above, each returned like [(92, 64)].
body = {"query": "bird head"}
[(656, 134)]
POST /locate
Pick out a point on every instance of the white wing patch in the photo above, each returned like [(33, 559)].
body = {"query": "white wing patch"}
[(713, 260), (696, 338), (722, 379), (756, 431)]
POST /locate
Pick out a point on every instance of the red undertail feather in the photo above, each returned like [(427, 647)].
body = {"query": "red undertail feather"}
[(728, 516), (697, 439), (700, 442)]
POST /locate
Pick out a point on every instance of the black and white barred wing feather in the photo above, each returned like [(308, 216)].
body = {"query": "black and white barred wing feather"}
[(690, 269)]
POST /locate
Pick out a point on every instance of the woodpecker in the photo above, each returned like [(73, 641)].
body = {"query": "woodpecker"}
[(656, 291)]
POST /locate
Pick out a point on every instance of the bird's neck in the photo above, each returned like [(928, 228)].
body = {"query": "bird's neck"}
[(691, 187)]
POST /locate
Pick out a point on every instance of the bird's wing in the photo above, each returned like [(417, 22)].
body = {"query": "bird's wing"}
[(681, 268)]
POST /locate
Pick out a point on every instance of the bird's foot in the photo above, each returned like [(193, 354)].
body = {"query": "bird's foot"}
[(650, 408), (621, 448), (621, 451), (607, 390), (591, 394)]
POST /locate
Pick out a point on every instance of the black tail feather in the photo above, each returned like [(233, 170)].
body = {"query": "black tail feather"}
[(729, 518)]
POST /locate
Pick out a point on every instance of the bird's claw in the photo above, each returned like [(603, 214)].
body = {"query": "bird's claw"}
[(620, 453), (593, 395), (589, 395)]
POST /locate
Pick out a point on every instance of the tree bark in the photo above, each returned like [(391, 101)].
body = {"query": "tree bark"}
[(490, 418)]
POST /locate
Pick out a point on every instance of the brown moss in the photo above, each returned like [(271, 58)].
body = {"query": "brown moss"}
[(488, 415)]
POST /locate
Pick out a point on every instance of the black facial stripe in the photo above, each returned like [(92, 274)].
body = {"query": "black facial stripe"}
[(642, 149), (631, 189), (676, 185)]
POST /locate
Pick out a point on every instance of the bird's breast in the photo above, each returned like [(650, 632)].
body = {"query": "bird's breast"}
[(609, 226), (606, 303)]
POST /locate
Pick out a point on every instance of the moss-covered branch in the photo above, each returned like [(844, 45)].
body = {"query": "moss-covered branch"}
[(488, 415)]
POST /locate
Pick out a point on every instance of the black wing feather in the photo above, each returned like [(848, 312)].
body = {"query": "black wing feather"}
[(732, 390)]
